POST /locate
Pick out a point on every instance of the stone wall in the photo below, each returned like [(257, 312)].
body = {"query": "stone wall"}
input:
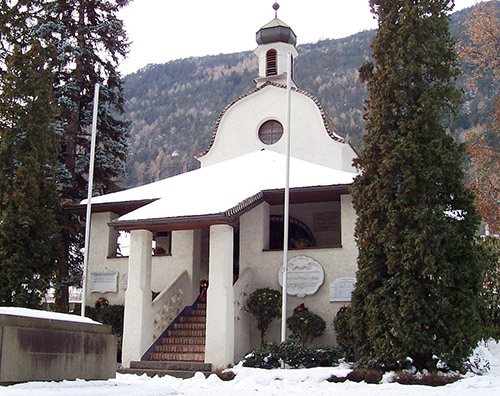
[(33, 349)]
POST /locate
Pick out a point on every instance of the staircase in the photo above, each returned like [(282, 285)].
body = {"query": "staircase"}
[(181, 352)]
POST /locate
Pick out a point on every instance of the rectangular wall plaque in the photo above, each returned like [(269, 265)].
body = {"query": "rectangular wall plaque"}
[(104, 282), (341, 289)]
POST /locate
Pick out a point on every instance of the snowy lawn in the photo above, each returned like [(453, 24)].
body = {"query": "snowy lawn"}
[(251, 382)]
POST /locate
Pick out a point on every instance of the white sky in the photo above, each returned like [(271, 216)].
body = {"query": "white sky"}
[(164, 30)]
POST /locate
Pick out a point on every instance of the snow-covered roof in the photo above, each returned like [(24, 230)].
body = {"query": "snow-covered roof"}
[(218, 188)]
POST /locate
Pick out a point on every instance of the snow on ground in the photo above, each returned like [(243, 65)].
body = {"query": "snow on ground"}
[(253, 382)]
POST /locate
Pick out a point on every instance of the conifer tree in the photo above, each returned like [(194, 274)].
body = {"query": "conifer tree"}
[(418, 279), (88, 40), (29, 202)]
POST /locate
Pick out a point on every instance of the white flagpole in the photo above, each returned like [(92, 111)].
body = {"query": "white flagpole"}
[(287, 196), (89, 196)]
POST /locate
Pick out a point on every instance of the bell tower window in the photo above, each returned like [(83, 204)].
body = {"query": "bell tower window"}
[(271, 63)]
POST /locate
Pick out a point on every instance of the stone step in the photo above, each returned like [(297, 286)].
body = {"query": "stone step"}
[(180, 348), (183, 366), (186, 333), (193, 319), (184, 340), (190, 326), (199, 312), (202, 306), (178, 357), (161, 373)]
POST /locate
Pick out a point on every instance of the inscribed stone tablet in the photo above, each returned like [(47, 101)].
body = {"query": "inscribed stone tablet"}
[(104, 282), (304, 276), (341, 289)]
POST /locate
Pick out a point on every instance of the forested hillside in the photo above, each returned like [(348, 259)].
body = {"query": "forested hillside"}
[(173, 107)]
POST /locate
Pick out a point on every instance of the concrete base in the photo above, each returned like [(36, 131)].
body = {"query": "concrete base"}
[(33, 349)]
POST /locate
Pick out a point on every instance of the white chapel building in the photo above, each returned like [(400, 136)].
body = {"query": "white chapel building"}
[(223, 223)]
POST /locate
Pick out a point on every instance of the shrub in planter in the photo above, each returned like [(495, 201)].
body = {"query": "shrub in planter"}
[(305, 326), (265, 305)]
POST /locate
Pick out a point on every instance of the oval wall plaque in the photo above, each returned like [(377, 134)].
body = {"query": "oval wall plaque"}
[(304, 276)]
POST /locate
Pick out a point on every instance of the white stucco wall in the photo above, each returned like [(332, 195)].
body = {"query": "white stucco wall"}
[(281, 60), (238, 130), (336, 262), (185, 256)]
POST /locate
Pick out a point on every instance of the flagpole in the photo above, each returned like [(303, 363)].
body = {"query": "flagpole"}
[(89, 196), (287, 196)]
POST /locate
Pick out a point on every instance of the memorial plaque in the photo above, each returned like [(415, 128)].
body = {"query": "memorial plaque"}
[(341, 289), (304, 276), (104, 282)]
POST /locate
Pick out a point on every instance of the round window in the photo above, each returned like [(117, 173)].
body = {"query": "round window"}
[(270, 132)]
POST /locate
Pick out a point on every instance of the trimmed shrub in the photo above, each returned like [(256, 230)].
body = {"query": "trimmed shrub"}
[(305, 326), (265, 305), (344, 333)]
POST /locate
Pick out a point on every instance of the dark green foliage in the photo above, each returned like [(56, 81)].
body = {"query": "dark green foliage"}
[(305, 326), (419, 278), (90, 41), (29, 205), (265, 305), (490, 307), (344, 333), (110, 315), (293, 354), (82, 42)]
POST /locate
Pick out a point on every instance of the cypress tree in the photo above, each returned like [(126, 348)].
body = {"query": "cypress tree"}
[(418, 279), (29, 202)]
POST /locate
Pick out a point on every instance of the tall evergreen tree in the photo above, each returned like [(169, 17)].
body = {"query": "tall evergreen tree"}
[(90, 41), (418, 279), (29, 202)]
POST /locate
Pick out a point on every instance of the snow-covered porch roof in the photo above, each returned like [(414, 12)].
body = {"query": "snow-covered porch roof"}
[(219, 192)]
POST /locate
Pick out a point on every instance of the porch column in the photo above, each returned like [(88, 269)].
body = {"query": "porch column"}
[(219, 347), (138, 321)]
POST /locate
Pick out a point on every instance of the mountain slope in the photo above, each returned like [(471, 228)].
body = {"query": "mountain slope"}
[(173, 107)]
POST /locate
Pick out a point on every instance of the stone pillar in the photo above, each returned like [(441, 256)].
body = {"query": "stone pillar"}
[(138, 321), (219, 348)]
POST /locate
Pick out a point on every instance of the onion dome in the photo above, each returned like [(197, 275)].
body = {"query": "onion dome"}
[(276, 31)]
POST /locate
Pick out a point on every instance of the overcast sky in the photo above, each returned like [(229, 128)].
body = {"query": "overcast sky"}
[(164, 30)]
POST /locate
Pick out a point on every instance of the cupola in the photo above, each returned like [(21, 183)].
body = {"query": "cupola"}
[(275, 40)]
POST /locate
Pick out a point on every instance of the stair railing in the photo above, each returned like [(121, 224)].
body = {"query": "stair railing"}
[(242, 320), (169, 303), (241, 292)]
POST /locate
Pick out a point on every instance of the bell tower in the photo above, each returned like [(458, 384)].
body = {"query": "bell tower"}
[(275, 40)]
